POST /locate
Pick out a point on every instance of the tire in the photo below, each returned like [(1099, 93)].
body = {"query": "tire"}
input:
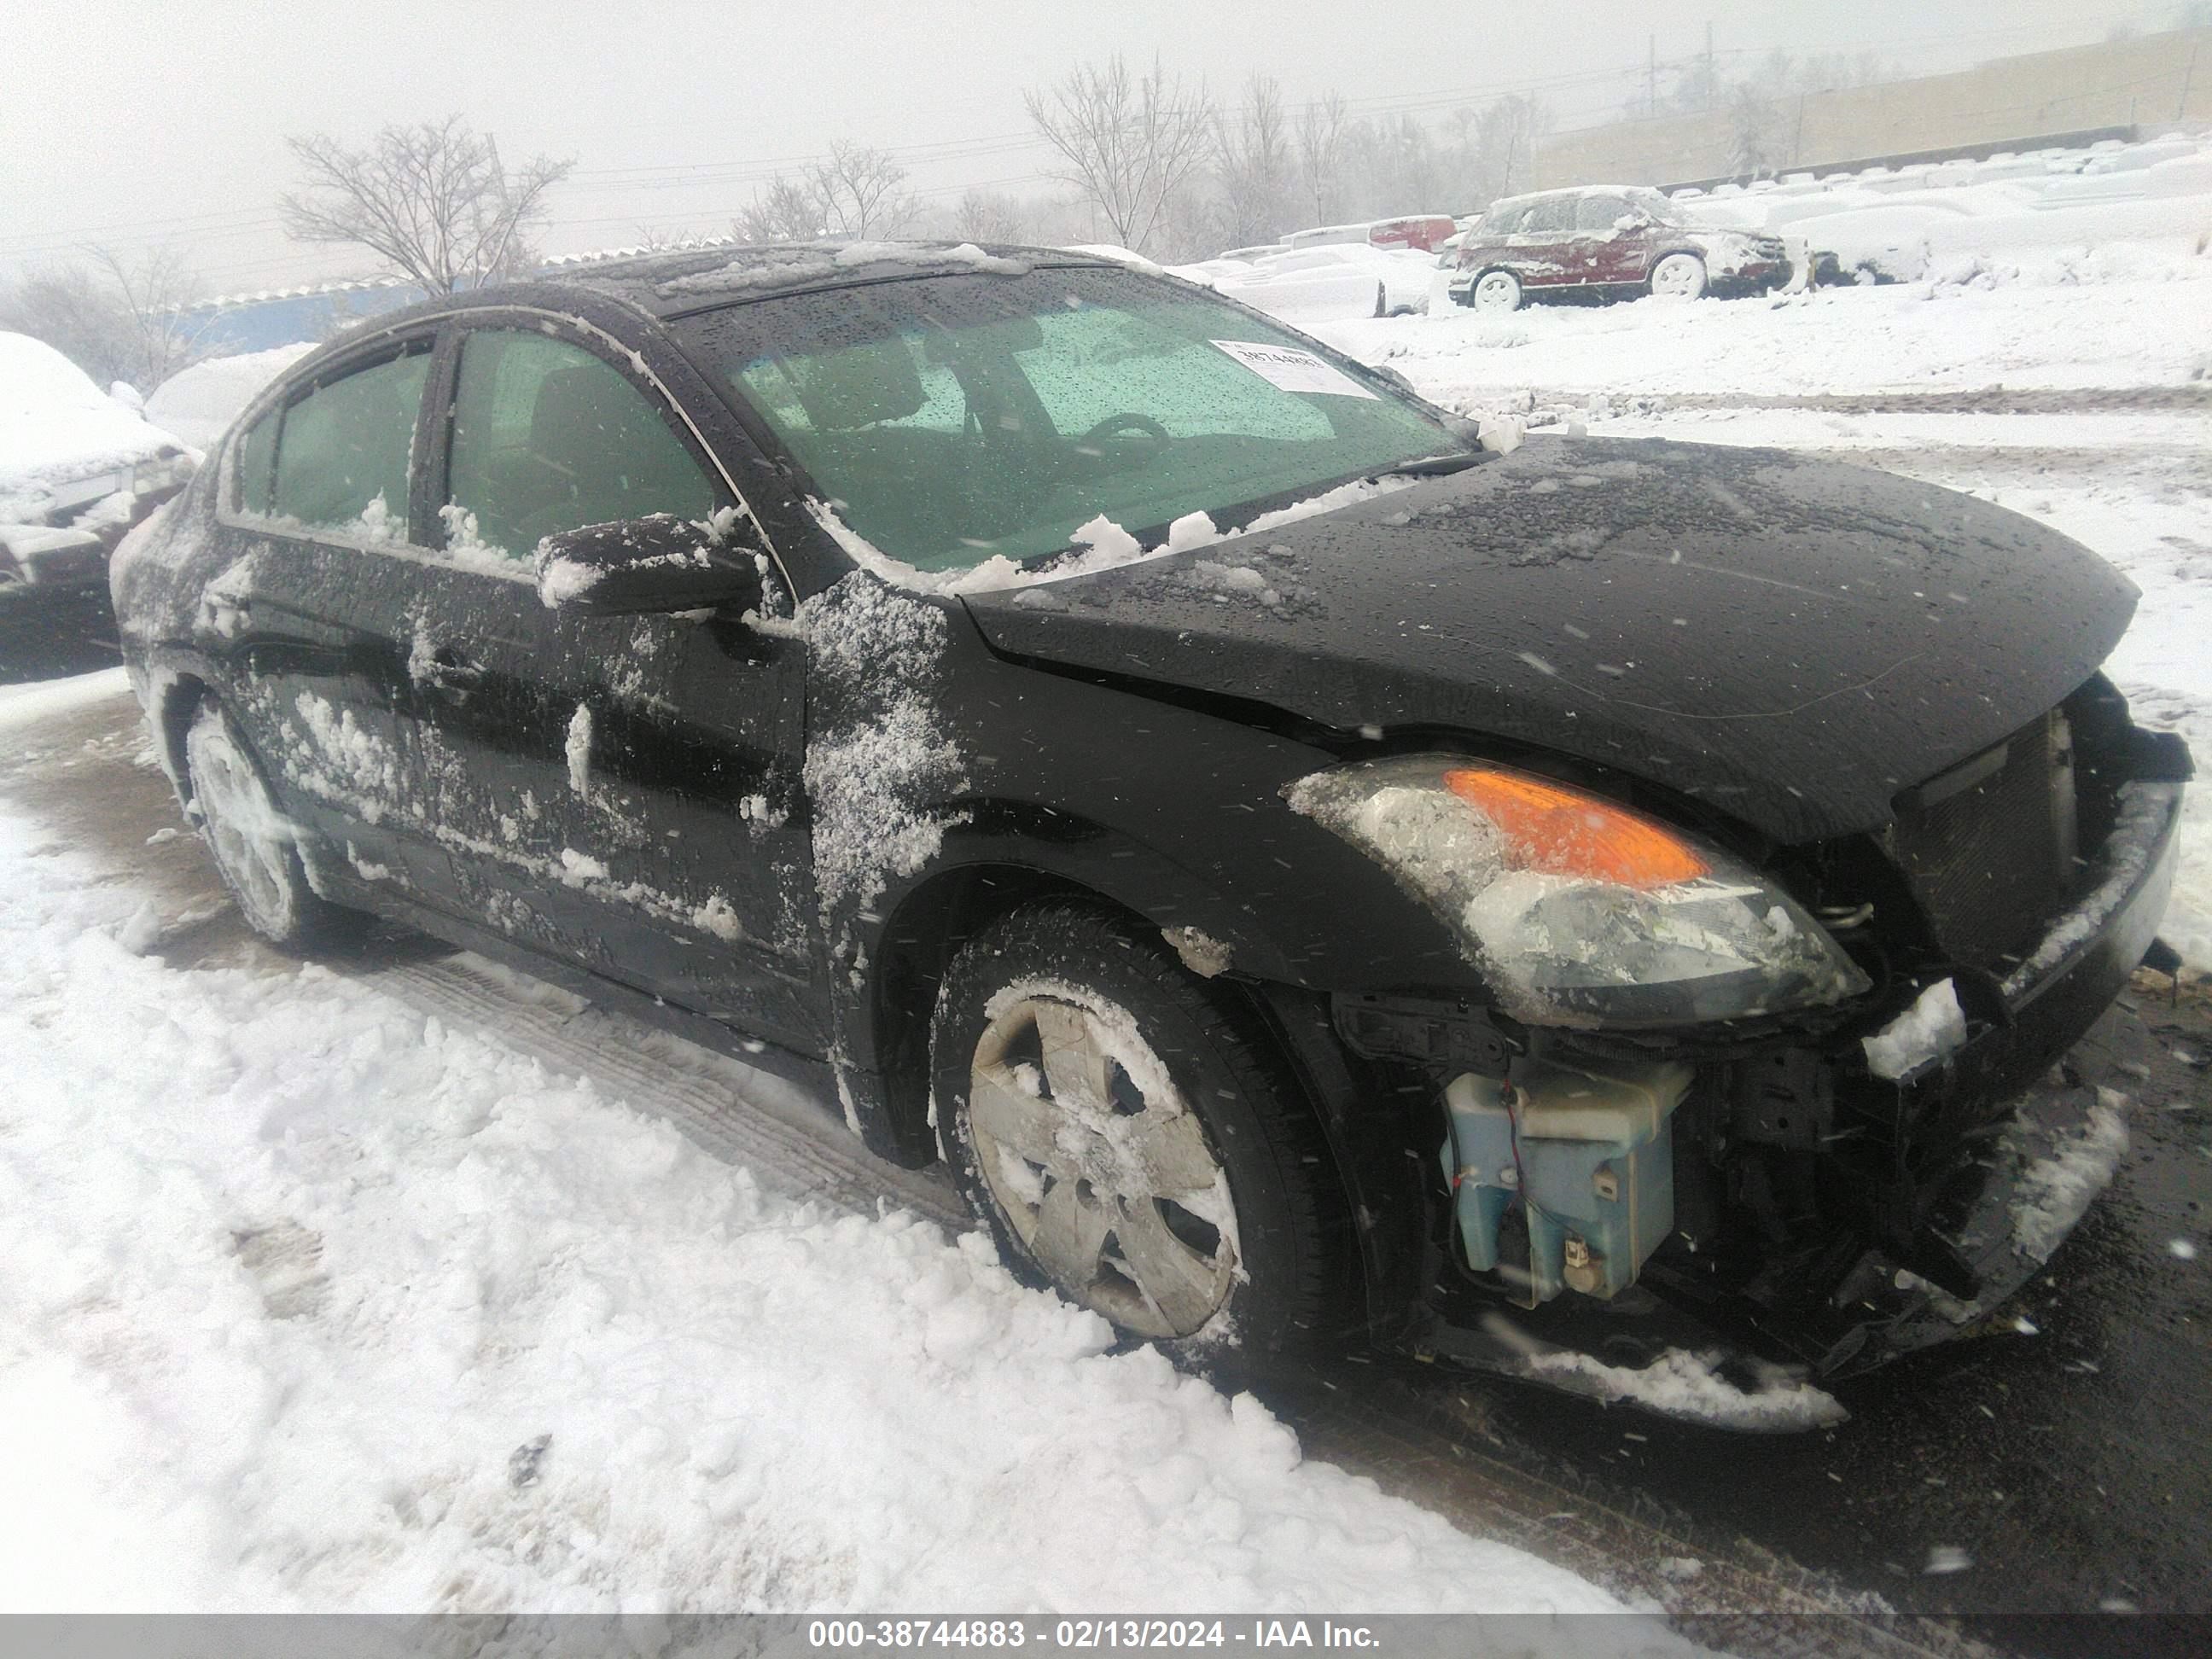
[(1678, 276), (252, 844), (1495, 291), (1072, 1057)]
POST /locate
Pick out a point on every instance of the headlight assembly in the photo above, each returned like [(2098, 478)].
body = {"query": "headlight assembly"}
[(1578, 910)]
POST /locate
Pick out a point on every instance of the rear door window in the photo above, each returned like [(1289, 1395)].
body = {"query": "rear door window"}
[(547, 437), (343, 451), (1552, 217)]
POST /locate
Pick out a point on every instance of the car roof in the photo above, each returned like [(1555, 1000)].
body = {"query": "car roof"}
[(675, 284), (671, 284), (1573, 190)]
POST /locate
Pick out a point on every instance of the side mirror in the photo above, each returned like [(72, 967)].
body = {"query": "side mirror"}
[(658, 563)]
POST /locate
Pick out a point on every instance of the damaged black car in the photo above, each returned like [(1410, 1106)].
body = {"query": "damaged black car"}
[(1313, 878)]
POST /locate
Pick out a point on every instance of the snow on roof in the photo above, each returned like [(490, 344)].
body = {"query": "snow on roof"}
[(264, 295)]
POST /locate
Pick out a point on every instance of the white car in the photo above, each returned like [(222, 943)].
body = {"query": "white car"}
[(1334, 282), (78, 468)]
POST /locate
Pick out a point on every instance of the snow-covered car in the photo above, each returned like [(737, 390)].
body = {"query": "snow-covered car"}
[(78, 467), (1605, 241), (198, 403), (1332, 281), (1312, 878)]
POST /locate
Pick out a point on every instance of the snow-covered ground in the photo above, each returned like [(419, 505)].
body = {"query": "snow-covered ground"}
[(2133, 330), (310, 1301)]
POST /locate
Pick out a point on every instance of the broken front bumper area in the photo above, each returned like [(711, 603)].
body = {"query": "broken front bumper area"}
[(2005, 1152), (2018, 1180)]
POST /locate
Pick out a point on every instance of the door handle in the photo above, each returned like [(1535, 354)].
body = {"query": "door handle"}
[(450, 670)]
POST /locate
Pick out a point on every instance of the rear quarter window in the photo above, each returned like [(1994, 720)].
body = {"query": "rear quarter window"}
[(255, 465)]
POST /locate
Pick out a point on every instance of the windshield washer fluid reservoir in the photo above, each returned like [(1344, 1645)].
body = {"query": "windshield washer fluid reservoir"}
[(1586, 1150)]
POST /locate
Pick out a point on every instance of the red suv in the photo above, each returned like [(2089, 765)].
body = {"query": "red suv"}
[(1611, 240)]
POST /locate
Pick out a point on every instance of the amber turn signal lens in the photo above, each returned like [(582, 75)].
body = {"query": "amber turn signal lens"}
[(1563, 832)]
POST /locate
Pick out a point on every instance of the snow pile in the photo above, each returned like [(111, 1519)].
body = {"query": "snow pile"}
[(2054, 1191), (199, 403), (314, 1303), (1679, 1383), (2188, 924), (1931, 1029), (58, 429)]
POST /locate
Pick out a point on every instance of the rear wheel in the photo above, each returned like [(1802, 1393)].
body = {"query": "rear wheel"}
[(1127, 1141), (252, 843), (1496, 290), (1679, 277)]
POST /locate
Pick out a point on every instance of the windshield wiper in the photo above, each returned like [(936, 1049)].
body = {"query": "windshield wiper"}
[(1433, 466)]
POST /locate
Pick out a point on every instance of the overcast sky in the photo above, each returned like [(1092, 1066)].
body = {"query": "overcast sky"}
[(128, 122)]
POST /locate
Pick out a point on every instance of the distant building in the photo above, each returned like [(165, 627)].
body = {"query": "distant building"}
[(255, 322), (240, 323)]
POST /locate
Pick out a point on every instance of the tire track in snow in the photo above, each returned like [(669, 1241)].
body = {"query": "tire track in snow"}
[(740, 1114)]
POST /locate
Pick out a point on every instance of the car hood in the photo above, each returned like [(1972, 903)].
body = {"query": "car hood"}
[(1790, 640)]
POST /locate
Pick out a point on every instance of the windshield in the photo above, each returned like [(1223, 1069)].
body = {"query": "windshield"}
[(948, 419)]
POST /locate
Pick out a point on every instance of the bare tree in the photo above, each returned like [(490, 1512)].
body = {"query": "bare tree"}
[(862, 191), (1505, 135), (116, 319), (1320, 147), (855, 191), (1127, 141), (985, 216), (784, 211), (1755, 141), (433, 201), (1253, 166)]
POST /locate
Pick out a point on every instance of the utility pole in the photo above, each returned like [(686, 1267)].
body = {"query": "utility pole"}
[(1651, 78), (1712, 83)]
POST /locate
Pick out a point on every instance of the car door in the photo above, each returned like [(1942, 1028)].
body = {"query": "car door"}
[(310, 615), (1538, 250), (1611, 244), (623, 791)]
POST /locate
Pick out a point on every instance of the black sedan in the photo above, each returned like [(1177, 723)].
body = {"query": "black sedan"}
[(1311, 878)]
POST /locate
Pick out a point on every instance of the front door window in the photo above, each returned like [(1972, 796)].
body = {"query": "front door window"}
[(547, 438)]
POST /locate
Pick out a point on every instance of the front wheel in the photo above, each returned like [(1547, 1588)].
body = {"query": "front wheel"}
[(1127, 1141), (1679, 277), (1496, 290), (254, 845)]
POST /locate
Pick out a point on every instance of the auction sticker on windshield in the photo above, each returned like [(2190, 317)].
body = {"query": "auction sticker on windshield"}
[(1293, 370)]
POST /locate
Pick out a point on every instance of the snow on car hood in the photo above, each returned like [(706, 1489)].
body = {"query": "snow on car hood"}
[(56, 427), (1790, 640)]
